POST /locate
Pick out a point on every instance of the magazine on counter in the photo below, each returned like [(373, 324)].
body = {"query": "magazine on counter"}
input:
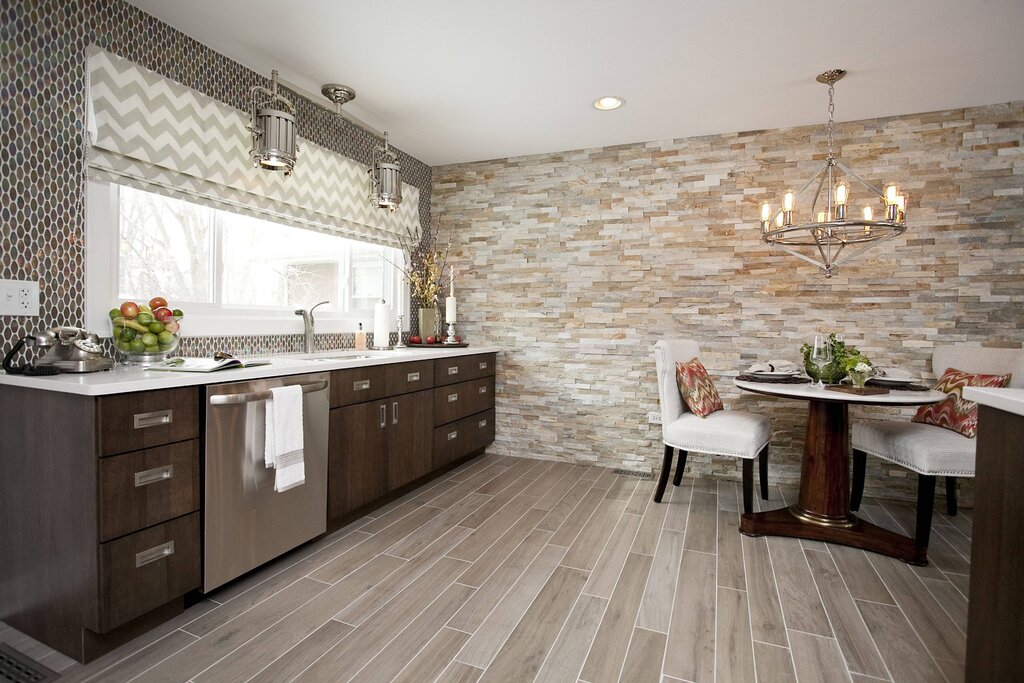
[(207, 364)]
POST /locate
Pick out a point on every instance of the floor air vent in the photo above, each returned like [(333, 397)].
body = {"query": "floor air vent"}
[(17, 668), (634, 473)]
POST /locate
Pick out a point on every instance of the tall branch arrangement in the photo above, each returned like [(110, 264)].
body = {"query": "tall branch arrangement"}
[(424, 268)]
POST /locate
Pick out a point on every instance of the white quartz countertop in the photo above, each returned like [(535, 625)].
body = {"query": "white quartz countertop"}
[(1010, 399), (125, 379)]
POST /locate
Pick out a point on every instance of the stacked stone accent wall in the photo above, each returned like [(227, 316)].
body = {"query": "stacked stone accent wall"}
[(576, 262)]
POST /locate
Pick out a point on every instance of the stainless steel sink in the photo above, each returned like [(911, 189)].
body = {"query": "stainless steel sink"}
[(346, 357)]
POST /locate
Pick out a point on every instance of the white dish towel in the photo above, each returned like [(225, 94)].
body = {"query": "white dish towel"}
[(283, 443)]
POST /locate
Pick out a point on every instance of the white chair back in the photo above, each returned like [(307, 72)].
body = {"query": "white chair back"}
[(980, 360), (666, 354)]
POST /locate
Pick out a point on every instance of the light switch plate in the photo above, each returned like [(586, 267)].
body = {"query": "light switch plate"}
[(19, 297)]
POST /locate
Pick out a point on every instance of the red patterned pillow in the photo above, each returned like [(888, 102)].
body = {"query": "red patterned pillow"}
[(697, 389), (956, 412)]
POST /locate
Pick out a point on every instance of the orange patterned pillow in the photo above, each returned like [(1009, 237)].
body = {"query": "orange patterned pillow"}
[(696, 388), (956, 412)]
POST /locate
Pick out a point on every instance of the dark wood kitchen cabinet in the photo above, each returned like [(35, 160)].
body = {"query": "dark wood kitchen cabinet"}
[(463, 407), (410, 436), (101, 534), (357, 456)]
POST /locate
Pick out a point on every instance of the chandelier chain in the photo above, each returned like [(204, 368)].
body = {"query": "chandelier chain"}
[(831, 118)]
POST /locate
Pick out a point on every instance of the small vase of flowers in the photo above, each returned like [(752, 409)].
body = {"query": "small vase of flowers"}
[(861, 373)]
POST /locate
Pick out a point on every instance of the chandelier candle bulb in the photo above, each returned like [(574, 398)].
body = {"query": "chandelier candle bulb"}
[(891, 192), (821, 216), (842, 190), (868, 213)]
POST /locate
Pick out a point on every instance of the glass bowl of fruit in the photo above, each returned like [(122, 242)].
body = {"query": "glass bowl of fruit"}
[(146, 333)]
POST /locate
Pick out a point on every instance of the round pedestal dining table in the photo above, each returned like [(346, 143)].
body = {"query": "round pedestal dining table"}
[(822, 511)]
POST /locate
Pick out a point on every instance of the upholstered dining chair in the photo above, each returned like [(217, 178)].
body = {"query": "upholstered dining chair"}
[(929, 450), (724, 432)]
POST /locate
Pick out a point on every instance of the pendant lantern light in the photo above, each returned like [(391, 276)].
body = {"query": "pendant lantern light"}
[(272, 125), (385, 178)]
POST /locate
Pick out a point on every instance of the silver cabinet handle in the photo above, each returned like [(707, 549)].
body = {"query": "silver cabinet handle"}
[(154, 419), (483, 366), (154, 475), (383, 415), (453, 435), (482, 390), (234, 399), (394, 412), (482, 424), (412, 377), (153, 554), (361, 385), (452, 398), (454, 370)]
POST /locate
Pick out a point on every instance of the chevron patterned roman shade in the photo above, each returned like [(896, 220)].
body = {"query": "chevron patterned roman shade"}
[(156, 134)]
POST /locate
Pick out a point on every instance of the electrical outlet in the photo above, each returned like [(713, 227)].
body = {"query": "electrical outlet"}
[(654, 418), (19, 297)]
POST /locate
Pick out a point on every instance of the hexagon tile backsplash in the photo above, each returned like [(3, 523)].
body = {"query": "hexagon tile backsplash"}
[(42, 123)]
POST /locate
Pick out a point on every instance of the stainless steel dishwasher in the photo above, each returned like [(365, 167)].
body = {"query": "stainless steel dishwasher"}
[(245, 522)]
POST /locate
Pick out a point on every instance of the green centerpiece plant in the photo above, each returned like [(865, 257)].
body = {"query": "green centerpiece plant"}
[(845, 358)]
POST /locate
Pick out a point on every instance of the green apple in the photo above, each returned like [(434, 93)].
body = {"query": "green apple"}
[(149, 339), (137, 345), (165, 337)]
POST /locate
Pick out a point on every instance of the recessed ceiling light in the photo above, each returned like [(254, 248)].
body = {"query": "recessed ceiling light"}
[(608, 102)]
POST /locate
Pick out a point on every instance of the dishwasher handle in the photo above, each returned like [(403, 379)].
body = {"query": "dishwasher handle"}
[(252, 397)]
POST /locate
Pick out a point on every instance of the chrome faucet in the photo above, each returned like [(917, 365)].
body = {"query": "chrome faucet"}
[(307, 324)]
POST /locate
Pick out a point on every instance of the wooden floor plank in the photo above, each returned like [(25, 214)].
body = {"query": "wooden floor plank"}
[(622, 488), (567, 483), (213, 646), (552, 479), (817, 659), (903, 652), (734, 652), (801, 604), (861, 578), (496, 627), (678, 512), (656, 604), (702, 524), (766, 621), (413, 638), (499, 551), (691, 655), (141, 660), (561, 510), (728, 496), (589, 543), (940, 634), (854, 640), (641, 497), (950, 599), (360, 609), (489, 531), (730, 552), (646, 541), (434, 658), (492, 590), (365, 642), (457, 672), (608, 566), (260, 652), (523, 653), (608, 651), (773, 664), (410, 546), (292, 663), (567, 654), (577, 519), (643, 659)]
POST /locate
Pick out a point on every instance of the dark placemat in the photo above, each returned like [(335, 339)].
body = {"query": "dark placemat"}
[(773, 380), (905, 387)]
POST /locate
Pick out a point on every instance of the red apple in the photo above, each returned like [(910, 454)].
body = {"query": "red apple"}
[(130, 310), (415, 339), (157, 302), (163, 314), (430, 340), (458, 339)]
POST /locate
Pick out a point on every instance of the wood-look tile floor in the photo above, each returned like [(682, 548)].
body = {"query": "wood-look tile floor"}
[(517, 570)]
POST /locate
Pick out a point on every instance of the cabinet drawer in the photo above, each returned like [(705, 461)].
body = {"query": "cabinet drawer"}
[(358, 385), (405, 378), (148, 568), (130, 422), (459, 439), (456, 401), (148, 487), (462, 368)]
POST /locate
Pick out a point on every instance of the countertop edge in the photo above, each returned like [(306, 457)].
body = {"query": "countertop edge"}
[(1008, 399), (123, 380)]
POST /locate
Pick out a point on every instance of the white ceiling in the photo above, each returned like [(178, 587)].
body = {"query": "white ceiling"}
[(466, 80)]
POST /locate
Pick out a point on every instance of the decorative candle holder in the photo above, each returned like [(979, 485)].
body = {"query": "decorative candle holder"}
[(450, 339), (400, 344)]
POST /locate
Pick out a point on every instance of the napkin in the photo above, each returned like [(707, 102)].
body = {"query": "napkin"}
[(773, 366)]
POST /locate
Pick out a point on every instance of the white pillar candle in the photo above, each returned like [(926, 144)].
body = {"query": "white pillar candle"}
[(449, 309)]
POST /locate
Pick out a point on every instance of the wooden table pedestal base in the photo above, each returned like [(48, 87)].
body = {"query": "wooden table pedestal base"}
[(822, 512)]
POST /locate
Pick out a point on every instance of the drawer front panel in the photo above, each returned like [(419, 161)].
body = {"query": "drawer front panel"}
[(405, 378), (146, 569), (130, 422), (459, 439), (358, 385), (147, 487), (463, 368), (456, 401)]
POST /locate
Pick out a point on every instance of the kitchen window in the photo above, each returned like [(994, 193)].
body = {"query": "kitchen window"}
[(231, 273)]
